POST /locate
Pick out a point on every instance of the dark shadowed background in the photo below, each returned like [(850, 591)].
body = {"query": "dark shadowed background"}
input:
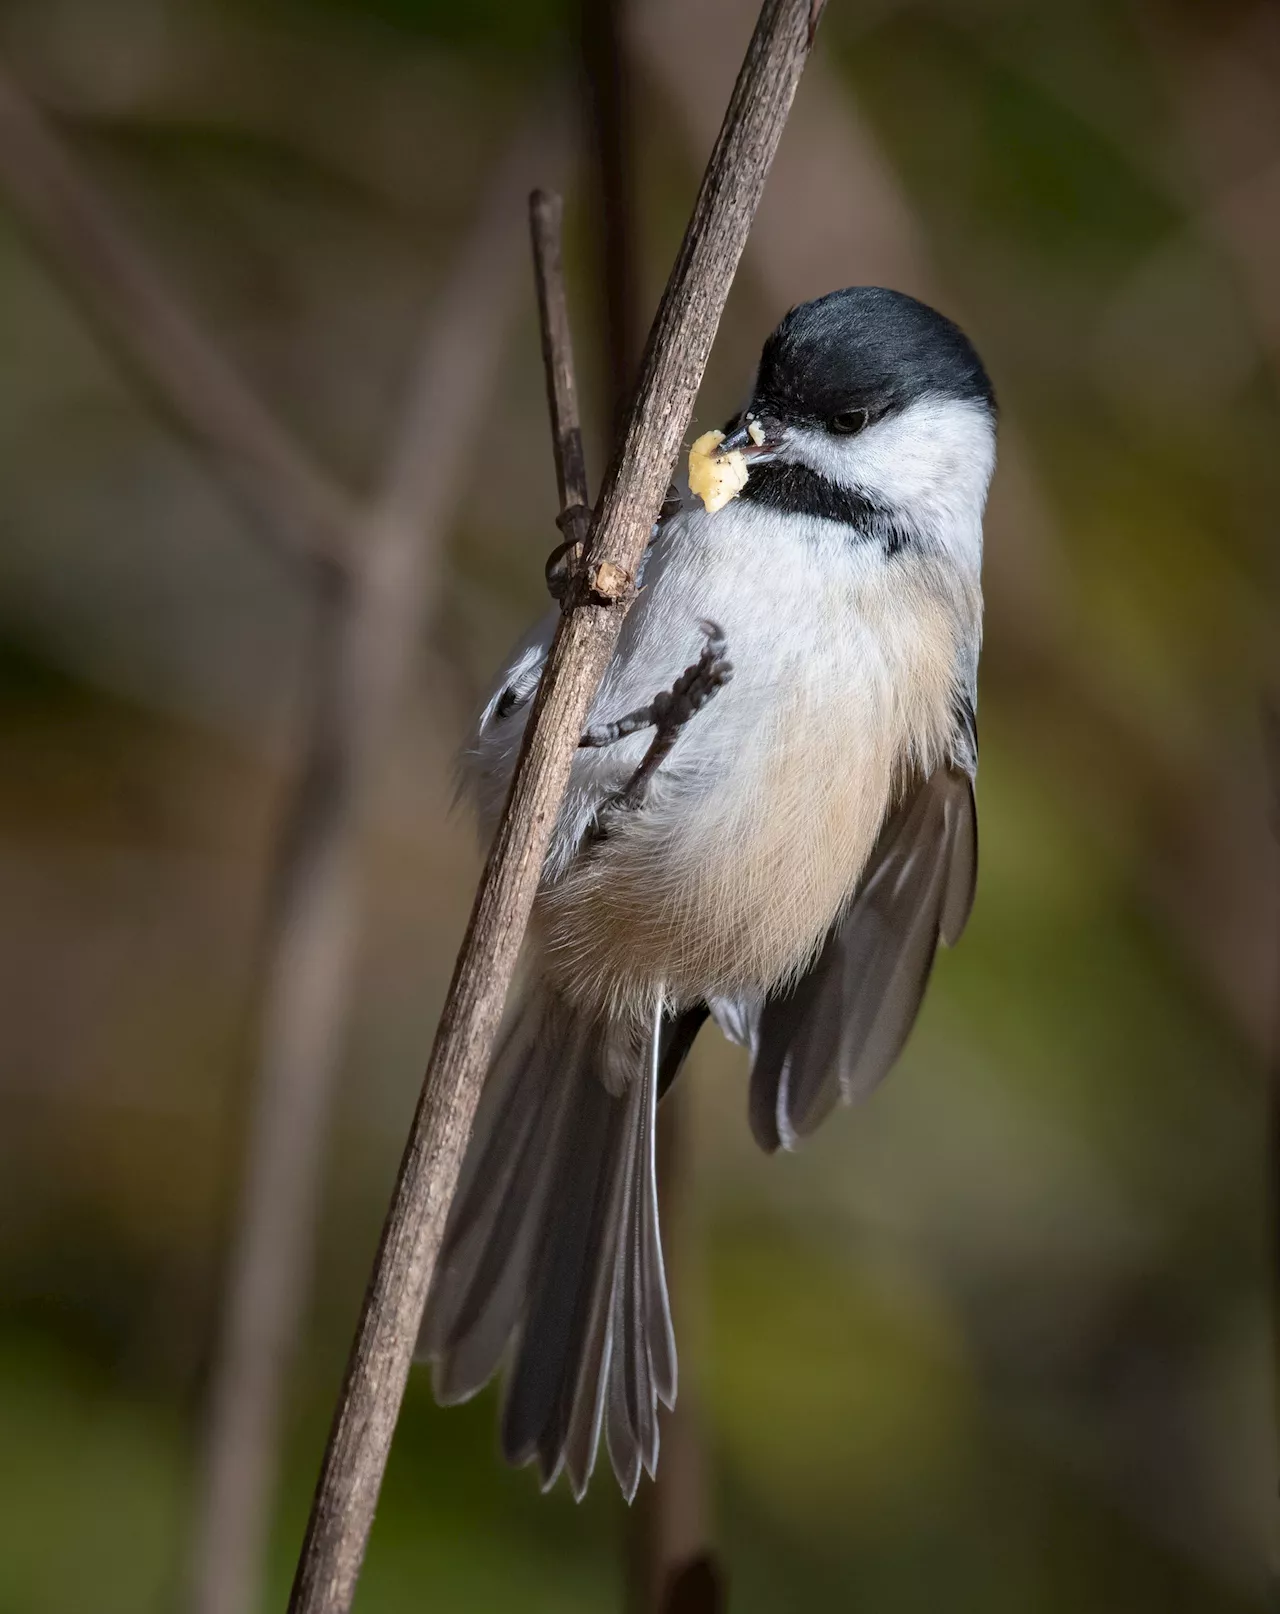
[(996, 1342)]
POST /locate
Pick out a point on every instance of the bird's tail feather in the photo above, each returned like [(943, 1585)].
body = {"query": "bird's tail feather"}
[(552, 1252)]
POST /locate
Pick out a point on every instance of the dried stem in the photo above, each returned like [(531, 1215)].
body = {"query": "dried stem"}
[(546, 216), (93, 253), (364, 644), (679, 344)]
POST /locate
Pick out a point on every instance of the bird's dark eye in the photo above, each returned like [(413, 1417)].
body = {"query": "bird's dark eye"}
[(848, 421)]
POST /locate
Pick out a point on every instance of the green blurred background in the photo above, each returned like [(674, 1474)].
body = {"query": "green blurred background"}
[(999, 1340)]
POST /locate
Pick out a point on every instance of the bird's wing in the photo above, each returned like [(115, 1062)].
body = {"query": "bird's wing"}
[(836, 1033)]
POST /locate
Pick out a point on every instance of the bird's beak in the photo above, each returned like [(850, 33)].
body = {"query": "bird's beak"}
[(759, 437)]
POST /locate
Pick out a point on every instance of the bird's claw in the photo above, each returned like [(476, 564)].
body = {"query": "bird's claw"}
[(666, 715), (696, 684), (564, 559)]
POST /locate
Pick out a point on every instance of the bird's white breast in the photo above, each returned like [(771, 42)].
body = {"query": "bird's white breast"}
[(760, 822)]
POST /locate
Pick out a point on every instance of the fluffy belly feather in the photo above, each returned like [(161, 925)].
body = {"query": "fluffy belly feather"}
[(758, 828)]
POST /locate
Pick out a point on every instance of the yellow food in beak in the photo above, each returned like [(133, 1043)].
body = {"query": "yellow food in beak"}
[(716, 479)]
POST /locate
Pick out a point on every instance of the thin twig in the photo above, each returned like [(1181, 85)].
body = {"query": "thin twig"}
[(363, 647), (546, 215), (679, 345), (93, 253)]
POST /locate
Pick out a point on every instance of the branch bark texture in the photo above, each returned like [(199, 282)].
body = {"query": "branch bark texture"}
[(679, 345)]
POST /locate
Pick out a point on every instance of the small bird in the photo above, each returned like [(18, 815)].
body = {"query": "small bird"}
[(776, 842)]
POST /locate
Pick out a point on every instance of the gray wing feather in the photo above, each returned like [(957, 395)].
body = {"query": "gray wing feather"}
[(963, 879), (962, 876)]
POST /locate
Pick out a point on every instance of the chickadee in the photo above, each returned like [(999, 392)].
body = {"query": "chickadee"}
[(778, 844)]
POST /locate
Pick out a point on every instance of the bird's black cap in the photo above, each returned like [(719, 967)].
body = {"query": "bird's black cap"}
[(865, 348)]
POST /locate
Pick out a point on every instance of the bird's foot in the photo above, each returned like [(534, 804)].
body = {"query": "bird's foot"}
[(667, 715)]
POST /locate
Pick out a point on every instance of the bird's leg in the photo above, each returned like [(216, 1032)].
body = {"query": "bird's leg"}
[(666, 714)]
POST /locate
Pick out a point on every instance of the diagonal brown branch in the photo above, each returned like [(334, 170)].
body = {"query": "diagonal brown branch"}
[(90, 251), (363, 646), (679, 345)]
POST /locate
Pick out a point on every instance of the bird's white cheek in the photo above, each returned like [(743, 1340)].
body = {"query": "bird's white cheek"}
[(936, 453)]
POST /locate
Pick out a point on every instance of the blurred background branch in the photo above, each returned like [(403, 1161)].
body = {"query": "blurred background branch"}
[(116, 286), (375, 592), (367, 635), (1000, 1339)]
